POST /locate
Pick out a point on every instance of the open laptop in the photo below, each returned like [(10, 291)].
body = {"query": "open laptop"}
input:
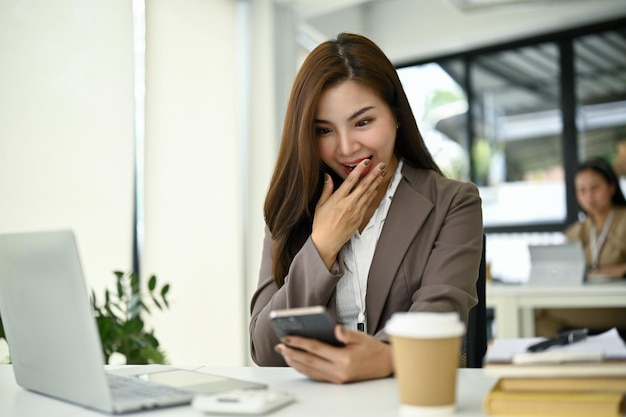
[(557, 264), (53, 338)]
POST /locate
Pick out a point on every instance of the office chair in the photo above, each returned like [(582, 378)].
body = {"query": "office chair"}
[(474, 344)]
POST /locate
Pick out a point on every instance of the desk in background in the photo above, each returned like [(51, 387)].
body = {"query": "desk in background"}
[(378, 398), (514, 304)]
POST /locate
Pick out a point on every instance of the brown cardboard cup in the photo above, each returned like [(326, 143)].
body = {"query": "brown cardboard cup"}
[(426, 349)]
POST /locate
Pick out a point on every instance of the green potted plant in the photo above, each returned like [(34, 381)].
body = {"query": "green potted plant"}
[(120, 323)]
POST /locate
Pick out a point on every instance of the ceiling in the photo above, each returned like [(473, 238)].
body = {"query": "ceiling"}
[(308, 9), (411, 30)]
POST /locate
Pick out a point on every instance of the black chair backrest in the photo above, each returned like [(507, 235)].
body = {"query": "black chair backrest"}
[(475, 340)]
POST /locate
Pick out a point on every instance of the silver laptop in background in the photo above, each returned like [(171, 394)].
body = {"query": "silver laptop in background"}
[(557, 264), (53, 339)]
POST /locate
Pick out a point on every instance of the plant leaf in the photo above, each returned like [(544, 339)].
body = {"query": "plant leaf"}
[(133, 326), (119, 321), (120, 289), (144, 307), (156, 302), (134, 283), (108, 308)]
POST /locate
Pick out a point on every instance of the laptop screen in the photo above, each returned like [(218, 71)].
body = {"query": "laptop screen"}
[(558, 264)]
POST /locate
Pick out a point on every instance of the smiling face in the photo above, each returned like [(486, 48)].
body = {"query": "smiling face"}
[(353, 123), (593, 192)]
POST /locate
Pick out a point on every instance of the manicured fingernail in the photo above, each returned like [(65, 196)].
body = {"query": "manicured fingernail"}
[(366, 162), (382, 174), (382, 166), (278, 349), (285, 340), (326, 178)]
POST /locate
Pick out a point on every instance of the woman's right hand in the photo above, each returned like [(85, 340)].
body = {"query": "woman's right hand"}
[(363, 357), (338, 214), (615, 271)]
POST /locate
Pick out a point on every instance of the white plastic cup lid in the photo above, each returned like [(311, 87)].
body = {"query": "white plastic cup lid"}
[(425, 325)]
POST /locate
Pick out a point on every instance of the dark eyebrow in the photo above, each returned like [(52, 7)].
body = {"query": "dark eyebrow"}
[(352, 117)]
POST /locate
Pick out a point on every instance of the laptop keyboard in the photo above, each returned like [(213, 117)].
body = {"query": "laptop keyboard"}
[(130, 393)]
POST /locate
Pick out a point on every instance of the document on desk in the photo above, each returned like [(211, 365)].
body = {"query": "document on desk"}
[(599, 355)]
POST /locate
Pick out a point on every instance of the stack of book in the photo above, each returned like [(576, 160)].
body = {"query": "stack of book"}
[(583, 379)]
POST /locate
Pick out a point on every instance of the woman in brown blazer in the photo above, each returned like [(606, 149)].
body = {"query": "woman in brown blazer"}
[(603, 235), (359, 218)]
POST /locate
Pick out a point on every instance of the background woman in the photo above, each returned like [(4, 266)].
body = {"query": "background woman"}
[(603, 235)]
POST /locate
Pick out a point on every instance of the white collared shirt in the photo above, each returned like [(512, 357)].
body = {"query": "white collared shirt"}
[(357, 256)]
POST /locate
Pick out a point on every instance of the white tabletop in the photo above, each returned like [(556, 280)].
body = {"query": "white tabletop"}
[(581, 290), (514, 304), (372, 398)]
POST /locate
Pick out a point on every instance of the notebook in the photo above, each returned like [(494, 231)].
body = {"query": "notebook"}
[(557, 264), (53, 338)]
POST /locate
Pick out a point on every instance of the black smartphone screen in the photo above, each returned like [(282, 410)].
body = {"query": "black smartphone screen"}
[(337, 180), (311, 322)]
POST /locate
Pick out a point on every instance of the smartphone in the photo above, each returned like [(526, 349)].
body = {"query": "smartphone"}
[(312, 322), (337, 180)]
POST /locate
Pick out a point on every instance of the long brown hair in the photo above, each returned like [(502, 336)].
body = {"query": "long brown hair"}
[(297, 181)]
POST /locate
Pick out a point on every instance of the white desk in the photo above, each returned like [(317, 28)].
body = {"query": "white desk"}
[(514, 304), (376, 398)]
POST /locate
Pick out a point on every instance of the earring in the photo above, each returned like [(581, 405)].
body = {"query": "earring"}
[(397, 125)]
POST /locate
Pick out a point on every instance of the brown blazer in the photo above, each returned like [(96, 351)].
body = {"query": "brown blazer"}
[(613, 252), (426, 259)]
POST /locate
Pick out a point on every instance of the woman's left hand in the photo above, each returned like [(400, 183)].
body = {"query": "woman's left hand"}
[(363, 357)]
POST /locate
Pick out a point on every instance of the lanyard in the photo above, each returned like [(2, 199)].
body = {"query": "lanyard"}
[(596, 242)]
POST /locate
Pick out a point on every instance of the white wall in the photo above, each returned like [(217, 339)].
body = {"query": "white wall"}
[(204, 219), (66, 151), (193, 228), (263, 133), (214, 254), (66, 125)]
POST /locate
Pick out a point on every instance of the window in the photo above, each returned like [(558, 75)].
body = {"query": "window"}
[(517, 151), (440, 107), (499, 117), (600, 65), (516, 119)]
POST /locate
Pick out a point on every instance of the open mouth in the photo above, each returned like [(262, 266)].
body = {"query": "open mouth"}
[(349, 166)]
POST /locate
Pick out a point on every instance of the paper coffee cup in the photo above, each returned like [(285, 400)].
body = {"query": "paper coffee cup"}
[(426, 349)]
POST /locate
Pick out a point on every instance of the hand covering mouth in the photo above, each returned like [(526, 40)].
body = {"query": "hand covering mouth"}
[(349, 166)]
